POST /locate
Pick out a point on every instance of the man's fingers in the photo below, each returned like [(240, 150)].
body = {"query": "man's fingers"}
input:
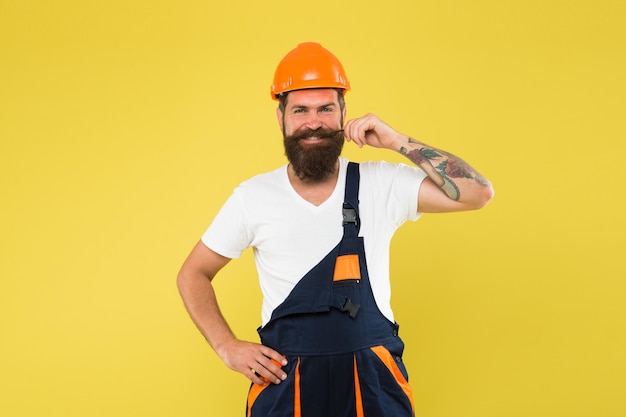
[(272, 371), (274, 356), (266, 368), (259, 363), (255, 377), (357, 130), (352, 133)]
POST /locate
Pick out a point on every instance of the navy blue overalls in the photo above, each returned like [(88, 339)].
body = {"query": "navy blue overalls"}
[(345, 357)]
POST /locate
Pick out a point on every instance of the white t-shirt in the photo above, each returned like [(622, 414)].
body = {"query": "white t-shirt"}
[(289, 235)]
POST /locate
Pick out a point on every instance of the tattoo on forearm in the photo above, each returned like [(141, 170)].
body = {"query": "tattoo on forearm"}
[(448, 168)]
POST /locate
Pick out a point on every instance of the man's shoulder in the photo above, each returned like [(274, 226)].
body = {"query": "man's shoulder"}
[(385, 173), (263, 183), (383, 165), (268, 176), (368, 164), (379, 167)]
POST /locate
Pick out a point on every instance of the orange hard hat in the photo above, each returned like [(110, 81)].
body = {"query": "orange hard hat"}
[(309, 65)]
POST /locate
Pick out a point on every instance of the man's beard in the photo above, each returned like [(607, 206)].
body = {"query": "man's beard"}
[(314, 162)]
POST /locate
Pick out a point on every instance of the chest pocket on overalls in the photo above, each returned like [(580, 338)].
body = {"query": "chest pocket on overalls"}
[(346, 284), (347, 271)]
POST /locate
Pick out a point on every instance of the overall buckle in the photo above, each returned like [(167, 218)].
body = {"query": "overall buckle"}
[(351, 308)]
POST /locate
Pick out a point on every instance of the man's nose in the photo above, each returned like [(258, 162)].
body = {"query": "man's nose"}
[(314, 122)]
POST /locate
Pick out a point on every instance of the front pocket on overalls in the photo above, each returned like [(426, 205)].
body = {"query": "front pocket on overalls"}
[(392, 361), (380, 372), (394, 365)]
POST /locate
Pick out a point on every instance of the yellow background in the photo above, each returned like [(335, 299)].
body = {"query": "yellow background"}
[(124, 125)]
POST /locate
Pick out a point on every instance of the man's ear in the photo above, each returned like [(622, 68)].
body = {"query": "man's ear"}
[(279, 116)]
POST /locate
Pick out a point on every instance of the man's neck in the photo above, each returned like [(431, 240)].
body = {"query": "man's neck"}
[(314, 191)]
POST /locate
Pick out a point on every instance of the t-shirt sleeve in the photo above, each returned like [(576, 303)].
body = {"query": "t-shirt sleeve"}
[(409, 181), (227, 235), (393, 188)]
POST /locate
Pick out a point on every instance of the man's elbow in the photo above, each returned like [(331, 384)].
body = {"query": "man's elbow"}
[(180, 280), (184, 279), (482, 197)]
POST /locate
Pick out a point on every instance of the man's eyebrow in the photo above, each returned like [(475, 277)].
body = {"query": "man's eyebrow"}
[(302, 106)]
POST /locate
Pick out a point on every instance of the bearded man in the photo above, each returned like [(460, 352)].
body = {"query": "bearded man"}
[(320, 227)]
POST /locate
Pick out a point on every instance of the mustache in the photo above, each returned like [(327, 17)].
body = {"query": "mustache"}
[(318, 133)]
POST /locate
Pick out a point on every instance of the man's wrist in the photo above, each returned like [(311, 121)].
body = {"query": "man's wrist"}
[(404, 144)]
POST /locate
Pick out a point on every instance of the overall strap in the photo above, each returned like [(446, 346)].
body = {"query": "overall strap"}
[(351, 220)]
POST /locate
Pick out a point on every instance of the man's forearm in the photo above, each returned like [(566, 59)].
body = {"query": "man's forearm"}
[(451, 174), (258, 363), (452, 186), (199, 298)]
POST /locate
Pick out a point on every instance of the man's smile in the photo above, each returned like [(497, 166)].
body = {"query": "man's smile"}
[(313, 139)]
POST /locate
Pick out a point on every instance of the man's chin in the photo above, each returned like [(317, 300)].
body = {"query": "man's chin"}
[(316, 168)]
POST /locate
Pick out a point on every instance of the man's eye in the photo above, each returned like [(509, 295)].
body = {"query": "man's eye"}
[(327, 109)]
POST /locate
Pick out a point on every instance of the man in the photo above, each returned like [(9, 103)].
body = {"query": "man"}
[(320, 228)]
